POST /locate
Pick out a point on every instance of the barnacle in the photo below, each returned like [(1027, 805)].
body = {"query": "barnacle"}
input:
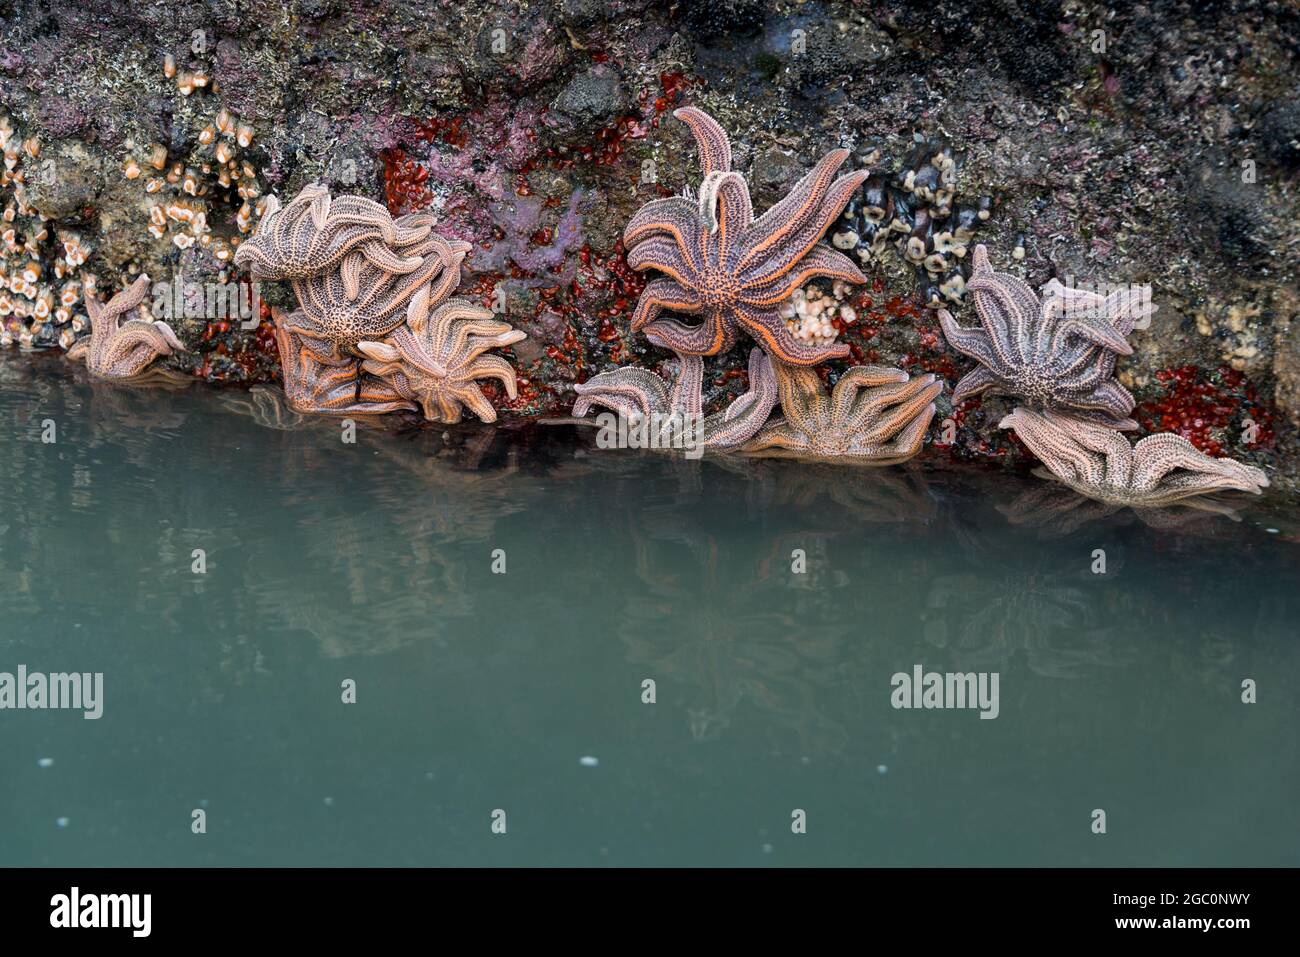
[(915, 211)]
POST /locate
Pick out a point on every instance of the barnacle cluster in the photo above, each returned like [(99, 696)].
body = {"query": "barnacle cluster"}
[(915, 211), (375, 332), (814, 314), (39, 284), (216, 172)]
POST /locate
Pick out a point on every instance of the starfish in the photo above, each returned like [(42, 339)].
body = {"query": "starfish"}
[(874, 414), (1055, 353), (1098, 462), (337, 319), (435, 358), (123, 350), (329, 386), (353, 267), (731, 270), (316, 231), (637, 394)]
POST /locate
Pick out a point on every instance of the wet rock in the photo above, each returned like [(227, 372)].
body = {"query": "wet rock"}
[(69, 176), (1279, 131), (590, 101), (774, 171), (1224, 211)]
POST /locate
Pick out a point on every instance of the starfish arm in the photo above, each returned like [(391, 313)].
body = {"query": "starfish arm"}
[(1158, 455), (845, 393), (767, 255), (709, 338), (1105, 441), (803, 400), (320, 207), (478, 403), (746, 415), (1110, 398), (789, 216), (412, 228), (494, 367), (137, 332), (777, 435), (1096, 331), (1124, 307), (661, 254), (710, 138), (388, 301), (381, 352), (476, 345), (660, 294), (633, 388), (887, 408), (676, 218), (1009, 312), (686, 393), (976, 382), (770, 331), (124, 302), (976, 343), (909, 440), (350, 273), (1055, 448), (726, 210), (820, 261)]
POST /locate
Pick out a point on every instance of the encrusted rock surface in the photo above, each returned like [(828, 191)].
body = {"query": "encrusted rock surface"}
[(1147, 143)]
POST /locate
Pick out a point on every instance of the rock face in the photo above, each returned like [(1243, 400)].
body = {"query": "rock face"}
[(1152, 144)]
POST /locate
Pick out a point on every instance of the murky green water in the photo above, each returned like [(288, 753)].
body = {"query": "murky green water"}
[(478, 691)]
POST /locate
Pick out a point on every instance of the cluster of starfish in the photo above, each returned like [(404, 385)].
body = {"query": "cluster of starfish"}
[(1056, 353), (374, 331), (733, 273)]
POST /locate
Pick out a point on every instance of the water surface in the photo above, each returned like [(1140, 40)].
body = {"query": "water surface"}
[(475, 691)]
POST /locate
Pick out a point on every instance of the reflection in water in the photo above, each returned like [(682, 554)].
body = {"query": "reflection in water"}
[(266, 406), (769, 601), (1057, 510)]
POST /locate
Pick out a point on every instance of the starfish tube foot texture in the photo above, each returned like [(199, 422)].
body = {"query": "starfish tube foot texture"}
[(874, 414), (328, 386), (123, 350), (1098, 462), (726, 268), (436, 358), (1054, 352)]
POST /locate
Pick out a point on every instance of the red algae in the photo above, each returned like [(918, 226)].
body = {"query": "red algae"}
[(1214, 410)]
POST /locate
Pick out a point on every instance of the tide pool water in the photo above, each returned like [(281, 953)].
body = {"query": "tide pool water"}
[(476, 646)]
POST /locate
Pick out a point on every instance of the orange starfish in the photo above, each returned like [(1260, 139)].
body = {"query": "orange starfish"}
[(733, 271)]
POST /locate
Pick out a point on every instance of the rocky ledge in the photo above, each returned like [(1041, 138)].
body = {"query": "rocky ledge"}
[(1150, 144)]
